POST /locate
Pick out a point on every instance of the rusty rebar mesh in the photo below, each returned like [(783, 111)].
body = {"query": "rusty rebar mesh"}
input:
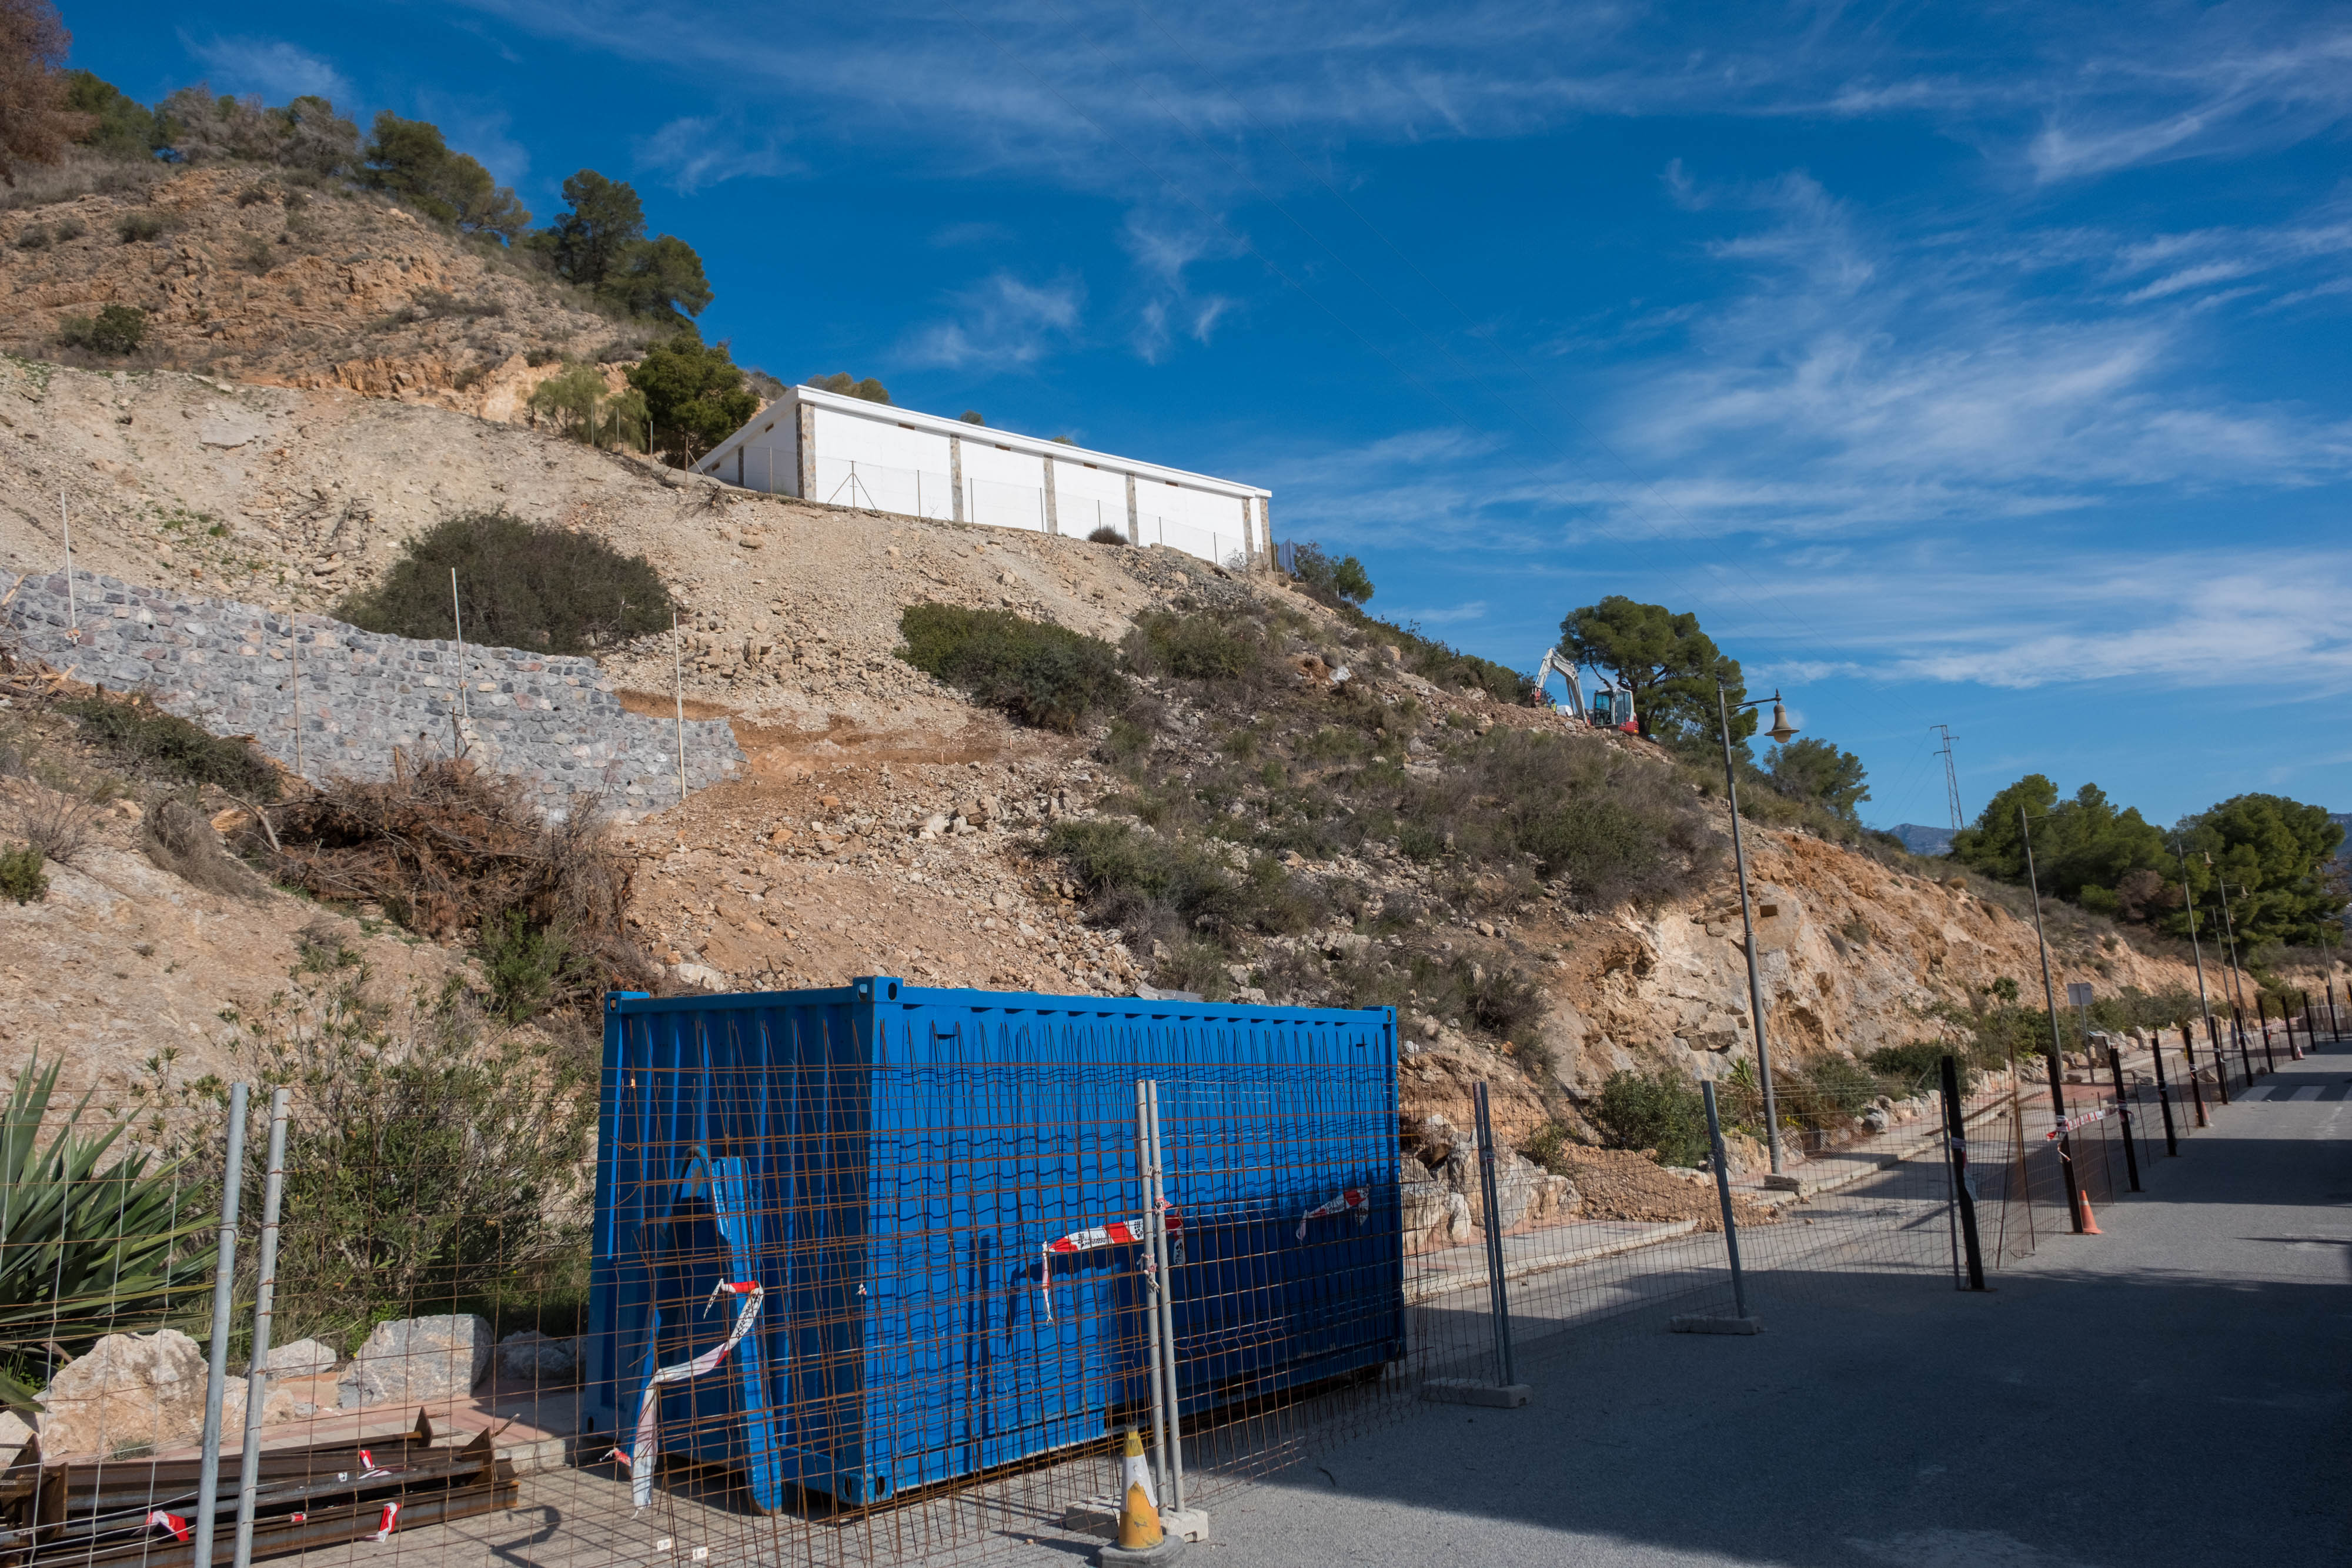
[(440, 1221)]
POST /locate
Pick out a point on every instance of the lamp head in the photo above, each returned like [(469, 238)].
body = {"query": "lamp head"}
[(1781, 728)]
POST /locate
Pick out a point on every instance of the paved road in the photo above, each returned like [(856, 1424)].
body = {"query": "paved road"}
[(2178, 1391)]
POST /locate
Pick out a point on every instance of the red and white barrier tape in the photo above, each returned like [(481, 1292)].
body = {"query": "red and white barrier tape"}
[(639, 1461), (1352, 1198), (178, 1526), (1117, 1233)]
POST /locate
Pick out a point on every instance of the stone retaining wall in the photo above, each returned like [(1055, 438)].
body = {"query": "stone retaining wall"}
[(552, 721)]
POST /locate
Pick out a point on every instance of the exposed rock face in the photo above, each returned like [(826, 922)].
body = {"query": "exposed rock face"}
[(415, 1360), (1444, 1205), (130, 1392), (301, 1359)]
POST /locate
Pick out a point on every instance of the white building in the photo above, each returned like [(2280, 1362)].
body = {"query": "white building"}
[(847, 452)]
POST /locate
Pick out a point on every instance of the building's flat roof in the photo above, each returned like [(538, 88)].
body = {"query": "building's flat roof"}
[(1011, 441)]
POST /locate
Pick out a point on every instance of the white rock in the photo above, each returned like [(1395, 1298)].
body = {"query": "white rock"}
[(14, 1434), (130, 1391), (303, 1358), (412, 1360)]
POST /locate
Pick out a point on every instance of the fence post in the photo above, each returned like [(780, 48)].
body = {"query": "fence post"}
[(1498, 1291), (2220, 1059), (256, 1378), (1151, 1293), (2195, 1087), (2163, 1092), (2262, 1023), (2245, 1052), (2123, 1109), (224, 1290), (1740, 1323), (1157, 1220), (1955, 1154)]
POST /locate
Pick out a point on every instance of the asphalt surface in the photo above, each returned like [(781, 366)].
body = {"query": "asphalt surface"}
[(2176, 1391)]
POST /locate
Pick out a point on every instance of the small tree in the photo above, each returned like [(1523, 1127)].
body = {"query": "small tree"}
[(694, 395), (869, 389), (115, 330), (410, 159), (1334, 579), (1669, 665), (36, 121), (1816, 770), (523, 586)]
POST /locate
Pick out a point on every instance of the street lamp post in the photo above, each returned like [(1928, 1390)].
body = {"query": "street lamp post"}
[(2196, 947), (2057, 1054), (1781, 731)]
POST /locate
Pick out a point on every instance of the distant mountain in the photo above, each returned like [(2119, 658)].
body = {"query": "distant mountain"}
[(1922, 841)]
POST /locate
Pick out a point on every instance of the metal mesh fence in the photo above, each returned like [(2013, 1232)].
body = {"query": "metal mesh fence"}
[(826, 1313)]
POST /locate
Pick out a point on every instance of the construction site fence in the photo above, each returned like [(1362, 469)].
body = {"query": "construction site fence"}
[(430, 1231)]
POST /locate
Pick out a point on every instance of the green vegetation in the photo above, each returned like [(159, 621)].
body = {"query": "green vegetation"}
[(599, 243), (35, 117), (1669, 665), (119, 126), (1336, 583), (1918, 1063), (524, 962), (115, 330), (98, 1240), (869, 389), (2273, 853), (21, 877), (584, 409), (524, 585), (1658, 1111), (694, 394), (1107, 535), (165, 746), (1041, 674), (1816, 772), (409, 159)]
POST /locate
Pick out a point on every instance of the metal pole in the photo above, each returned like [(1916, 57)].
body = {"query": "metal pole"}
[(65, 521), (1498, 1296), (677, 678), (2057, 1060), (256, 1378), (2263, 1022), (2163, 1092), (2230, 930), (1721, 1160), (1747, 929), (1158, 1231), (1151, 1293), (1955, 1144), (2123, 1109), (2221, 1060), (294, 653), (2196, 1089), (457, 619), (2197, 950), (224, 1289)]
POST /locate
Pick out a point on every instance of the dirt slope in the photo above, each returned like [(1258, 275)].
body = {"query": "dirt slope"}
[(886, 824), (258, 279)]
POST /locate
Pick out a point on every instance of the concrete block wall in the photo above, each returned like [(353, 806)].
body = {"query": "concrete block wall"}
[(553, 722)]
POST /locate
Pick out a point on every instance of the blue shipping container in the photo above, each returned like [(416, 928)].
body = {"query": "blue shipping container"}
[(889, 1164)]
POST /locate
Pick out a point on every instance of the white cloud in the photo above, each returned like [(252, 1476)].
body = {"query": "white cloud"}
[(1003, 323), (697, 151), (275, 68)]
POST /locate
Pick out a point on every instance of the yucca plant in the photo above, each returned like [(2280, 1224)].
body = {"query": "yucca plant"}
[(86, 1247)]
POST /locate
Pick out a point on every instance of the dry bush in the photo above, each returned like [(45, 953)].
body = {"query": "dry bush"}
[(57, 825), (446, 849), (178, 838)]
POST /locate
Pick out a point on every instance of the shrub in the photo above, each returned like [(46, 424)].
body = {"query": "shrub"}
[(1143, 884), (115, 330), (1653, 1110), (137, 228), (178, 838), (96, 1245), (33, 236), (54, 825), (1203, 646), (1548, 1146), (1333, 582), (1916, 1065), (65, 229), (1823, 1091), (1104, 534), (252, 195), (166, 746), (444, 848), (1502, 1000), (1041, 674), (22, 876), (524, 585)]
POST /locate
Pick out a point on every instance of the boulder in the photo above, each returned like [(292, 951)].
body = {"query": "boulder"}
[(1422, 1198), (1876, 1119), (534, 1357), (276, 1405), (14, 1434), (303, 1358), (130, 1392), (411, 1361)]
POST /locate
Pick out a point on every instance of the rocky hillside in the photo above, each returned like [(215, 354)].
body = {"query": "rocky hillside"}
[(247, 275), (885, 823)]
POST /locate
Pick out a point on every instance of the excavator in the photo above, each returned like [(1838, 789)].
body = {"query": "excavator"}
[(1608, 706)]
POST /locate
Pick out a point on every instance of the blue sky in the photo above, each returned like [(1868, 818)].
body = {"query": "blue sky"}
[(1983, 366)]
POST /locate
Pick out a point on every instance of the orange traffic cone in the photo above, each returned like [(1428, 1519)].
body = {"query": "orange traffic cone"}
[(1142, 1542), (2090, 1220)]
